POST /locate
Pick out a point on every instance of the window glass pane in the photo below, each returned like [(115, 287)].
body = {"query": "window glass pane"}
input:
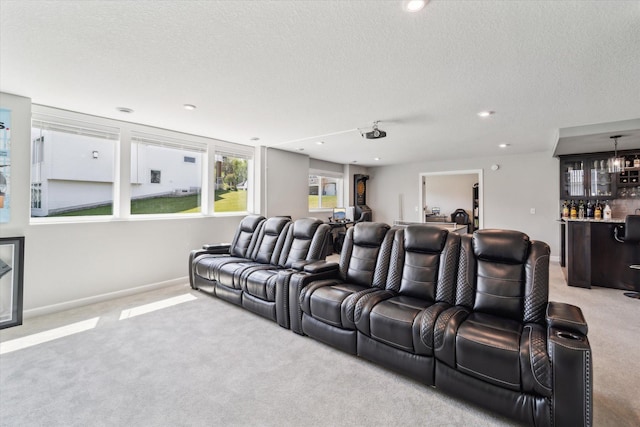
[(324, 192), (164, 179), (231, 183), (72, 170)]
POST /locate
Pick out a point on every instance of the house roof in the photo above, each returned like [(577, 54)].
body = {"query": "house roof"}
[(296, 73)]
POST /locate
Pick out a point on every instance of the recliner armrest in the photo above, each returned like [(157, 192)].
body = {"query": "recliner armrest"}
[(217, 248), (320, 267), (566, 317)]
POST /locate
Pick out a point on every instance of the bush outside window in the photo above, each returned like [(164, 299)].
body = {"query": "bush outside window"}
[(231, 183)]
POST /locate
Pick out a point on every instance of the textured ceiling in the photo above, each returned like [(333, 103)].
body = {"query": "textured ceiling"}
[(297, 72)]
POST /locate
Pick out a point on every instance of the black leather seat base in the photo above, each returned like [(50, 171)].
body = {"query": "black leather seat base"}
[(229, 294), (488, 347), (392, 321), (532, 410), (259, 306), (339, 338), (420, 368)]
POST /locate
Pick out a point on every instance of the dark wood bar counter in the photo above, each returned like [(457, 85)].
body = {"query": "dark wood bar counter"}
[(595, 258)]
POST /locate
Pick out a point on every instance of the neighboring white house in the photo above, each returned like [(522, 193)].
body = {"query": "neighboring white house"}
[(74, 170)]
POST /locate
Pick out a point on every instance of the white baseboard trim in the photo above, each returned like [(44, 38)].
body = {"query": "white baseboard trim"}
[(555, 258), (55, 308)]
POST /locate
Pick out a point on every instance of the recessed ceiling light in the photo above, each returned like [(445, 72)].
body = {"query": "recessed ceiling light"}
[(376, 158), (486, 113), (504, 145), (189, 107), (255, 138), (124, 110), (414, 5), (320, 142)]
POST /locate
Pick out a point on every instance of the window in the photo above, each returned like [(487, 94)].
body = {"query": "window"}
[(162, 181), (325, 192), (231, 182), (78, 169), (73, 167)]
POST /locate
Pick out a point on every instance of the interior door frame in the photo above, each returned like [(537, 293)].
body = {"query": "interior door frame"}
[(479, 172)]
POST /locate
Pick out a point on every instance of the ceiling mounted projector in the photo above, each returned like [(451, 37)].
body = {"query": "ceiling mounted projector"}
[(375, 132)]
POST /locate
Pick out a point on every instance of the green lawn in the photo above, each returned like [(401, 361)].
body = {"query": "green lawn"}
[(226, 201), (327, 202)]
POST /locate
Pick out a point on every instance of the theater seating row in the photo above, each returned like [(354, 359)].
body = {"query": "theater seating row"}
[(467, 314)]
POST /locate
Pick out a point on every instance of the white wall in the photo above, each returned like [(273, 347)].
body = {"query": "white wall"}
[(67, 262), (285, 183), (521, 183), (449, 192)]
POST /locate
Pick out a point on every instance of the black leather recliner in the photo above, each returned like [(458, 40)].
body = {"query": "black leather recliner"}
[(267, 251), (305, 243), (204, 262), (395, 326), (262, 250), (503, 346), (328, 305)]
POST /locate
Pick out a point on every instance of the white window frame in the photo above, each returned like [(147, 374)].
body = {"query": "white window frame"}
[(122, 180), (339, 188)]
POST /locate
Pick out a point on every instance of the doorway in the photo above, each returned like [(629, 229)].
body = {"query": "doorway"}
[(441, 193)]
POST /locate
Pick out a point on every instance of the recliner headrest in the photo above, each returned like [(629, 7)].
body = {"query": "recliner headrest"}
[(273, 226), (369, 233), (250, 222), (424, 238), (305, 228), (501, 245)]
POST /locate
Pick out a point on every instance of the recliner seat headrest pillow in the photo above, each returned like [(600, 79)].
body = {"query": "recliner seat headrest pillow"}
[(273, 226), (250, 222), (305, 228), (424, 238), (369, 233), (505, 246)]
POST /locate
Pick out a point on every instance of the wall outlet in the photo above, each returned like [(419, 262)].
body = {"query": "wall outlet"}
[(532, 211)]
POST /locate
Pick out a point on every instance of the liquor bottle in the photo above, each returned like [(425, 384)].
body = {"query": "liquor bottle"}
[(636, 162), (597, 212), (589, 209), (565, 210), (581, 210), (606, 214), (573, 211)]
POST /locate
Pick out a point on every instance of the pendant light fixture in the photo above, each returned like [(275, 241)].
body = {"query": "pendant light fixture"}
[(615, 164)]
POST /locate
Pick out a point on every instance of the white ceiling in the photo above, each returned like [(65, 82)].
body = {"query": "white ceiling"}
[(296, 72)]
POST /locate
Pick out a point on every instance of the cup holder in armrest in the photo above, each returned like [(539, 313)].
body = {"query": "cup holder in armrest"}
[(569, 336)]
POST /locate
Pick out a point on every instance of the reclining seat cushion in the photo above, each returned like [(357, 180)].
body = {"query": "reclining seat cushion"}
[(267, 252), (488, 341), (396, 321), (243, 243), (302, 235), (332, 301)]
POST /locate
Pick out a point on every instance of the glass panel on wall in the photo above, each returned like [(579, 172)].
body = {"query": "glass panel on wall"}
[(166, 175), (324, 192), (232, 183), (573, 179), (72, 168)]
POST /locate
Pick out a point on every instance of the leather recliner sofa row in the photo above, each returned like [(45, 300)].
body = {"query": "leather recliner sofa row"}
[(466, 314), (244, 271)]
